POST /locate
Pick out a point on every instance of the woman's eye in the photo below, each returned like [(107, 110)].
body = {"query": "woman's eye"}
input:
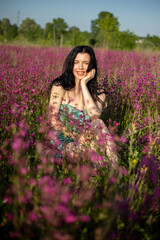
[(86, 63)]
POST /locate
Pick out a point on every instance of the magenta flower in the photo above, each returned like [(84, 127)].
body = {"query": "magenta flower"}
[(84, 218), (65, 197), (10, 216), (70, 218), (67, 180), (32, 216), (17, 144), (23, 171)]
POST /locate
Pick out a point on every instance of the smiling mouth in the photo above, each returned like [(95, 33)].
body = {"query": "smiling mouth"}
[(80, 73)]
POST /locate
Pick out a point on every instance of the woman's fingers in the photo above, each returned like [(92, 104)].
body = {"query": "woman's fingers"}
[(92, 73), (89, 75)]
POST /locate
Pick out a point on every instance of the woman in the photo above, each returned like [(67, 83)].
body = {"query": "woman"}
[(76, 91)]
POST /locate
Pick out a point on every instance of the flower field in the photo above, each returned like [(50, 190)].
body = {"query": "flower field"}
[(43, 196)]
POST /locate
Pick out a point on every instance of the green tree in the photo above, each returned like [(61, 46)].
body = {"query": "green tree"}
[(104, 28), (145, 44), (12, 32), (1, 32), (95, 30), (126, 40), (155, 40), (59, 28), (5, 24), (75, 37), (7, 30), (30, 29), (48, 31)]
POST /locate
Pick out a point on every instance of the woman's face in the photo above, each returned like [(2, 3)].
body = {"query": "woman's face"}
[(81, 64)]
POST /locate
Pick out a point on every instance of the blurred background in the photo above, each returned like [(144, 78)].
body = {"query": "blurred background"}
[(118, 25)]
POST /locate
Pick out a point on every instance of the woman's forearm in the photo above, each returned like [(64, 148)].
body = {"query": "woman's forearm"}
[(92, 109)]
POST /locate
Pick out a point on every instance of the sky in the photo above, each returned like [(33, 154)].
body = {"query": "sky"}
[(141, 17)]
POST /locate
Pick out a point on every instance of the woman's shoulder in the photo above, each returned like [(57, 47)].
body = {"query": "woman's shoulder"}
[(56, 82), (58, 89)]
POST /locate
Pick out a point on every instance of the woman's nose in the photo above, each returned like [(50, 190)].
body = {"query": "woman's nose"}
[(80, 65)]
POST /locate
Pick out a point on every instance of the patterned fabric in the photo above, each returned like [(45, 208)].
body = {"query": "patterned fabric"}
[(74, 119)]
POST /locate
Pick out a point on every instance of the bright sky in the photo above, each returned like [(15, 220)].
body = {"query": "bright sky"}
[(141, 17)]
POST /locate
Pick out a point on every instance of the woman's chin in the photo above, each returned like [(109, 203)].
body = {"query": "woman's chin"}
[(79, 78)]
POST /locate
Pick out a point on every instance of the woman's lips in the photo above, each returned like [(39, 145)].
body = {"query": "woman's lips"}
[(80, 73)]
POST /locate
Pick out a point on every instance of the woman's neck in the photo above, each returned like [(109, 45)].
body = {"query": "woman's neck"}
[(77, 88)]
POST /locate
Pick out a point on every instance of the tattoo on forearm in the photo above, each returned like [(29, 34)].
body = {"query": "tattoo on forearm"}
[(55, 95)]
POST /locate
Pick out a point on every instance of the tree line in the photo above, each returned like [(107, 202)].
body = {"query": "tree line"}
[(104, 33)]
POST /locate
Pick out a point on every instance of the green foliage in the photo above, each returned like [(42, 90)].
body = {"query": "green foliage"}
[(7, 30), (59, 28), (48, 31), (12, 32), (154, 39), (30, 29), (145, 45), (75, 37), (149, 43), (55, 31), (126, 40), (5, 23), (105, 28), (104, 33)]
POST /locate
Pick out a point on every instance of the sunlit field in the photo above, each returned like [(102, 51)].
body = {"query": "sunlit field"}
[(47, 196)]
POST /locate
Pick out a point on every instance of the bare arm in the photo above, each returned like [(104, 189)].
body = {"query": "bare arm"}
[(94, 109)]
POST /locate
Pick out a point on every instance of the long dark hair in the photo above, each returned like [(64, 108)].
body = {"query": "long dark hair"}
[(67, 79)]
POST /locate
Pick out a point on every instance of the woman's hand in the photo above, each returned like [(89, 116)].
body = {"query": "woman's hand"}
[(89, 76)]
